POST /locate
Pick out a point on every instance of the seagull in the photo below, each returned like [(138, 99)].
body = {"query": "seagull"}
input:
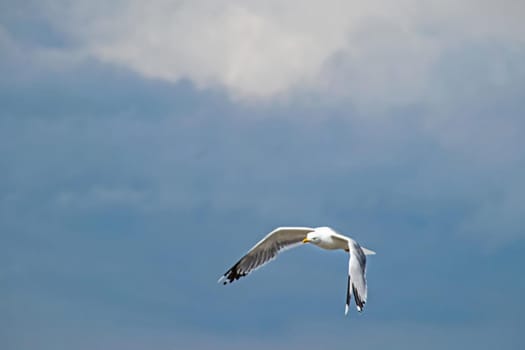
[(283, 238)]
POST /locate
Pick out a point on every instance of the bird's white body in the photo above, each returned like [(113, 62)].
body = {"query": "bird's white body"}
[(323, 237), (327, 240), (331, 240)]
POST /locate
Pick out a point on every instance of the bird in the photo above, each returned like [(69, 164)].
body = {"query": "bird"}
[(283, 238)]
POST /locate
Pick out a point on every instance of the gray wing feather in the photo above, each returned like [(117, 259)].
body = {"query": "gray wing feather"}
[(266, 250), (357, 273)]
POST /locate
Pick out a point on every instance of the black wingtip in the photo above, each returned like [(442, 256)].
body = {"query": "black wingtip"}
[(232, 275), (348, 294), (360, 304)]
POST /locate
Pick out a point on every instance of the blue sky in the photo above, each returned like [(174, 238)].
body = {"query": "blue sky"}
[(145, 147)]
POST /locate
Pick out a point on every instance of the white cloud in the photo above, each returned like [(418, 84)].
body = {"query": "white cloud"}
[(260, 50), (463, 65)]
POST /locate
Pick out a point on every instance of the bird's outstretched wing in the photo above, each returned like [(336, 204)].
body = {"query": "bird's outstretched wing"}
[(356, 276), (265, 250)]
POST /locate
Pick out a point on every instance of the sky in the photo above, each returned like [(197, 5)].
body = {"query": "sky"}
[(146, 146)]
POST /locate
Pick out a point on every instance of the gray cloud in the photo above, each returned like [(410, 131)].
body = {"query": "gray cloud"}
[(108, 177), (299, 335)]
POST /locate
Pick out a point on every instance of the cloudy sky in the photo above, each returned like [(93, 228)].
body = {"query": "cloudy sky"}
[(145, 145)]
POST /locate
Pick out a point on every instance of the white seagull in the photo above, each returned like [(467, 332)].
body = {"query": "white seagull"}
[(324, 237)]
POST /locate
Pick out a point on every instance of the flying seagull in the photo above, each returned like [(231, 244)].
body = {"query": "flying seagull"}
[(324, 237)]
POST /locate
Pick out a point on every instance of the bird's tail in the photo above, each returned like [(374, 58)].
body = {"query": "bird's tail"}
[(368, 251)]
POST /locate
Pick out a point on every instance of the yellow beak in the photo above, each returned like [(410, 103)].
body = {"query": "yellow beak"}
[(306, 240)]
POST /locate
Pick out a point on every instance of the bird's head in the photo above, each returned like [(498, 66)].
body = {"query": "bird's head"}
[(312, 237)]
